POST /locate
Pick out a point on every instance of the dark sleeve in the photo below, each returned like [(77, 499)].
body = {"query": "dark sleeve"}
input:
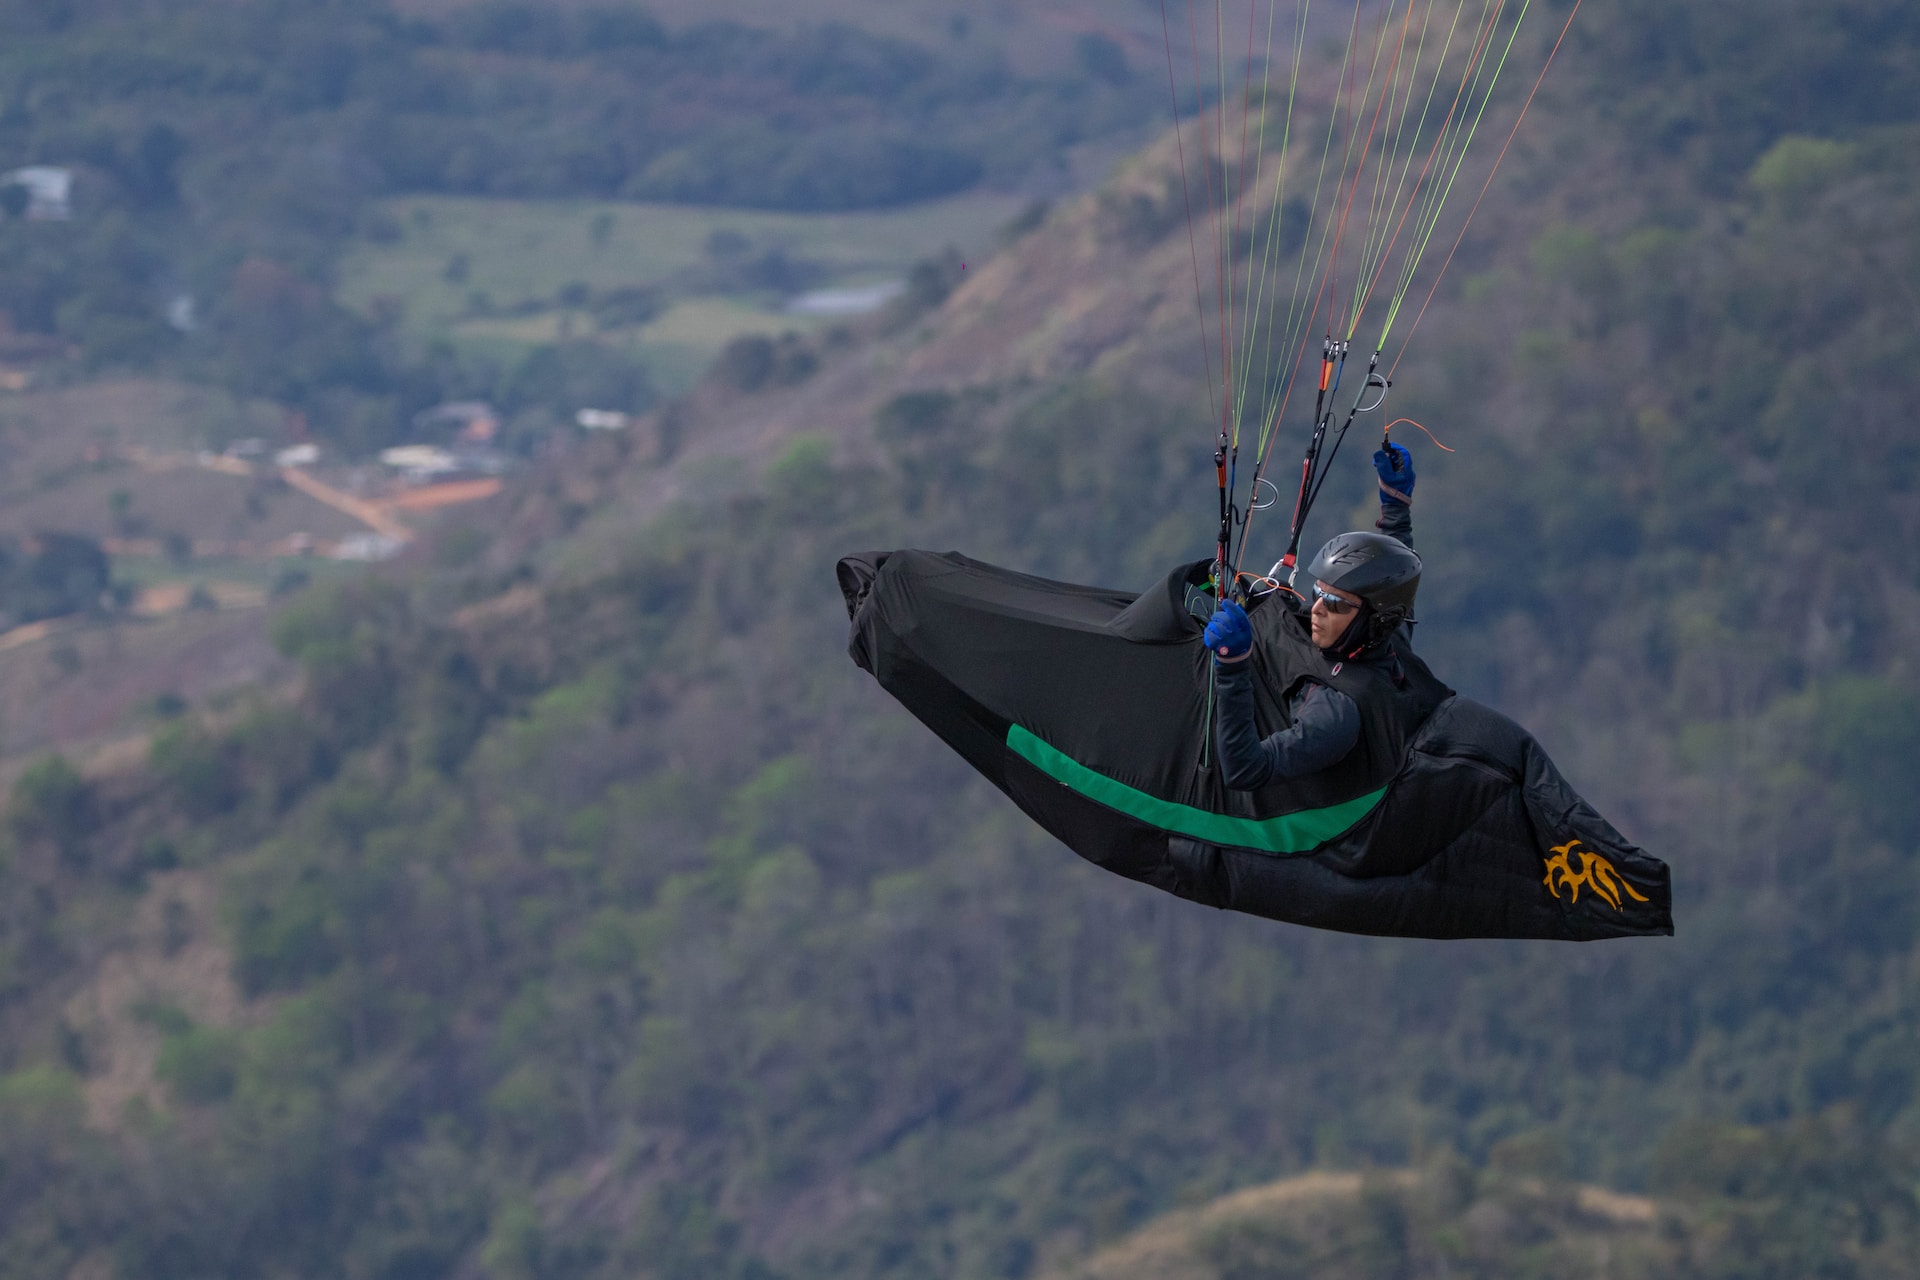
[(1326, 725), (1396, 521)]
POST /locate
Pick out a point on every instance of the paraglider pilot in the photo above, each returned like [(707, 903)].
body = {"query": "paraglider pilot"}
[(1361, 613)]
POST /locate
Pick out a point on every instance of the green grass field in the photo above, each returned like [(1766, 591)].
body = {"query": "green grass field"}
[(438, 256)]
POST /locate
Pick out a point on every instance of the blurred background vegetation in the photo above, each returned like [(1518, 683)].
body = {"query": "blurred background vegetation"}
[(245, 156), (572, 908)]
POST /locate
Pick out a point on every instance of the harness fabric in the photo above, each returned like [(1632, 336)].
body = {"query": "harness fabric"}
[(1091, 709), (1392, 687)]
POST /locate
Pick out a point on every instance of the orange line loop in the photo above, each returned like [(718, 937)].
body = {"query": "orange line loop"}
[(1388, 433)]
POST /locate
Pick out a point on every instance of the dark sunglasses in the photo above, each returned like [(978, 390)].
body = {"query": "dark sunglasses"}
[(1335, 605)]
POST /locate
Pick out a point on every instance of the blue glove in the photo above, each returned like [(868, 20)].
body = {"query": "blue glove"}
[(1229, 635), (1395, 466)]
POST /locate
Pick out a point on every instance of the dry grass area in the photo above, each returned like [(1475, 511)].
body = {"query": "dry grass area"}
[(449, 493), (50, 429), (113, 460), (173, 597), (81, 689), (1330, 1225), (169, 957), (198, 505), (1164, 1249)]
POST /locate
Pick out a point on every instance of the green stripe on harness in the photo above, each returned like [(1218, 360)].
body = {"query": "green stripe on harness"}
[(1289, 833)]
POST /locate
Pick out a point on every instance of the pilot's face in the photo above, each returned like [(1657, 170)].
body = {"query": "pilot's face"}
[(1333, 611)]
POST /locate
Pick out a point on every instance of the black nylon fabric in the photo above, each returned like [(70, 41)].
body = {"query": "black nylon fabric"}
[(1478, 834)]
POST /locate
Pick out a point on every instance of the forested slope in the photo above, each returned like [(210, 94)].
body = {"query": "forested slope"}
[(592, 915)]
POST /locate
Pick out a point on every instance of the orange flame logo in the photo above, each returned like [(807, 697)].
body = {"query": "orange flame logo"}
[(1595, 873)]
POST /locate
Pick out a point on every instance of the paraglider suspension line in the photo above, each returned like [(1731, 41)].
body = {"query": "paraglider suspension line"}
[(1333, 360), (1374, 382), (1220, 463)]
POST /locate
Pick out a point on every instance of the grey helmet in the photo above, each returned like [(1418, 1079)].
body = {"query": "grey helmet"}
[(1382, 571)]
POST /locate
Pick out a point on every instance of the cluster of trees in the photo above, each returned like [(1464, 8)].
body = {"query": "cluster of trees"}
[(753, 165), (49, 576), (1822, 69), (512, 98)]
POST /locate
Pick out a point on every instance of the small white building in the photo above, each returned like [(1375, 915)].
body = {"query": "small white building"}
[(860, 301), (420, 461), (602, 420), (49, 191), (369, 548)]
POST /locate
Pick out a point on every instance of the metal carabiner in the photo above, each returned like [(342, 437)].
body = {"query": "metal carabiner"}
[(1374, 380)]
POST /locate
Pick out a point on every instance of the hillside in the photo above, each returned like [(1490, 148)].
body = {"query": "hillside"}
[(588, 914)]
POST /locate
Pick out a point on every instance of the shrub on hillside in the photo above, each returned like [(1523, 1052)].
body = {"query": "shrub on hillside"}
[(52, 804), (1867, 733), (197, 768), (50, 575), (199, 1064), (755, 362)]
